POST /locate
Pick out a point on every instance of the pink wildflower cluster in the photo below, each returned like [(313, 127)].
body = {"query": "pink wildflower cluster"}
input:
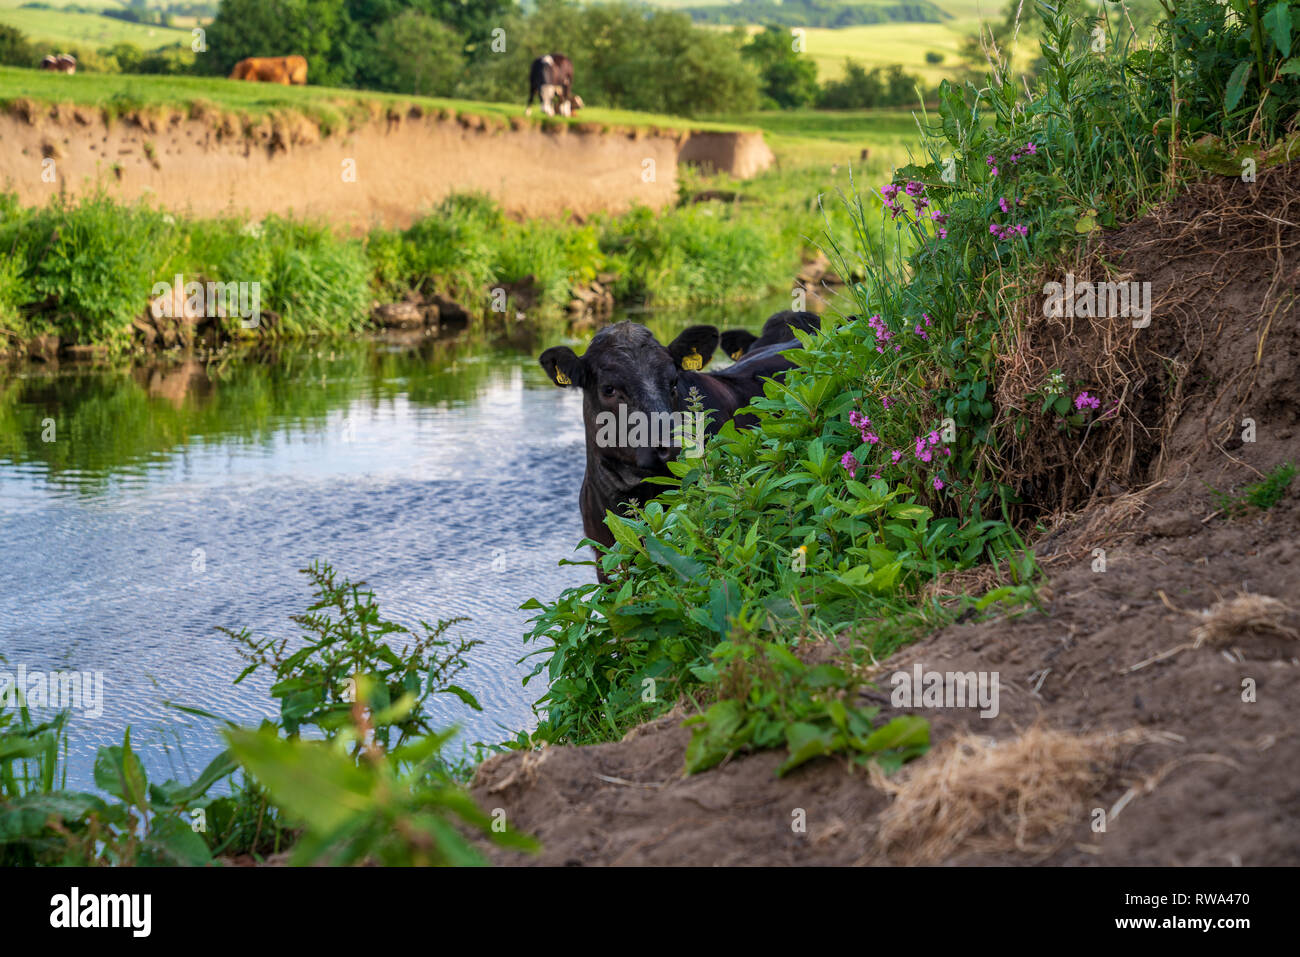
[(1008, 232), (883, 335), (1085, 401), (920, 331), (926, 451), (863, 425), (1029, 150)]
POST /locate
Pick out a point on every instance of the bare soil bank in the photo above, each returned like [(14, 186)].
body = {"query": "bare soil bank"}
[(386, 170), (1203, 763)]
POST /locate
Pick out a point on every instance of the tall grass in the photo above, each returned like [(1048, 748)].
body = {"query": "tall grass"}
[(84, 269)]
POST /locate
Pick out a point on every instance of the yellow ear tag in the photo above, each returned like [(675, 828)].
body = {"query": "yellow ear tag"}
[(738, 353), (562, 379), (693, 363)]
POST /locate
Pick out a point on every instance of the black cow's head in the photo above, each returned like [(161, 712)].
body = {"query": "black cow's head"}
[(627, 377), (735, 342)]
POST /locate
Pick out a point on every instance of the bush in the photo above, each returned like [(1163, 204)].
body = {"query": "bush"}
[(15, 50), (421, 56)]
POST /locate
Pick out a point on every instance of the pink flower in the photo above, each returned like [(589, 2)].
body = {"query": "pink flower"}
[(885, 401), (858, 420), (1084, 400), (992, 163), (1031, 149), (938, 484), (870, 438), (896, 455), (851, 464), (1002, 204)]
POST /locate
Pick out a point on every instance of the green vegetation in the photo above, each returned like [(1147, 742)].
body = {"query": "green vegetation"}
[(84, 270), (369, 783), (1256, 496), (875, 465), (878, 464)]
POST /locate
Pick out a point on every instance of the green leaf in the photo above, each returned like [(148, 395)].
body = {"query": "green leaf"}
[(463, 695), (173, 841), (1236, 86), (807, 741), (623, 533), (1277, 21), (906, 731), (311, 780), (119, 772), (687, 569), (713, 736)]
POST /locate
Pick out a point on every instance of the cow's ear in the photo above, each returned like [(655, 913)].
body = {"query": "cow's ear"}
[(693, 348), (564, 368), (734, 342)]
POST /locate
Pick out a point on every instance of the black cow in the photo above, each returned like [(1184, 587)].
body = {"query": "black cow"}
[(626, 373), (551, 75), (740, 342)]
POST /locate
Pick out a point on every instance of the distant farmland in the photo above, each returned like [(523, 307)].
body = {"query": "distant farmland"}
[(60, 29)]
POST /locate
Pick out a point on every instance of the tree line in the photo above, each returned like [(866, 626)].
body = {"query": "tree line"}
[(627, 56)]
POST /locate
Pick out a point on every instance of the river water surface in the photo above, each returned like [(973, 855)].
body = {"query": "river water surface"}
[(175, 497)]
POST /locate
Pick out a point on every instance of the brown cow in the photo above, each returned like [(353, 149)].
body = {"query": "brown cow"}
[(63, 63), (288, 70)]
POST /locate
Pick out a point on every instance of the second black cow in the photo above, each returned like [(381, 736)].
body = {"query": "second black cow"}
[(635, 405)]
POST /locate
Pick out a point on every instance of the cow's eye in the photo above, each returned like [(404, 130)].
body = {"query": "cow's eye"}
[(608, 391)]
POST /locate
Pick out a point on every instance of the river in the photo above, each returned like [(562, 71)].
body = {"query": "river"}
[(143, 506)]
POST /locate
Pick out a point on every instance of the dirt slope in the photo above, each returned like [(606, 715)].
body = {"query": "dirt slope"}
[(1209, 772), (386, 170)]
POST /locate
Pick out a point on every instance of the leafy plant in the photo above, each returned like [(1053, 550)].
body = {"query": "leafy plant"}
[(319, 683), (769, 697), (1256, 496), (360, 802)]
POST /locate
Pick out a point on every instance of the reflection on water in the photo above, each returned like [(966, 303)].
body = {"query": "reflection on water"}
[(176, 497)]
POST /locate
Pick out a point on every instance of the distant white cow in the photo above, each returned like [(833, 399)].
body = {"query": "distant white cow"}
[(552, 75)]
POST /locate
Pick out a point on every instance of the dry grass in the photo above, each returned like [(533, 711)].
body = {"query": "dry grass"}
[(1229, 618), (977, 794), (1215, 236)]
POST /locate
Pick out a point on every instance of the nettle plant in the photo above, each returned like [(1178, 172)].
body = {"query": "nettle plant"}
[(762, 532)]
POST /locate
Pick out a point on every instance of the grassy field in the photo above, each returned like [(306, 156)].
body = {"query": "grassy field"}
[(808, 136), (61, 30), (119, 92)]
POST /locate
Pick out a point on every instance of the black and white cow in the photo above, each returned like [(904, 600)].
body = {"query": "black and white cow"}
[(626, 373), (551, 76)]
